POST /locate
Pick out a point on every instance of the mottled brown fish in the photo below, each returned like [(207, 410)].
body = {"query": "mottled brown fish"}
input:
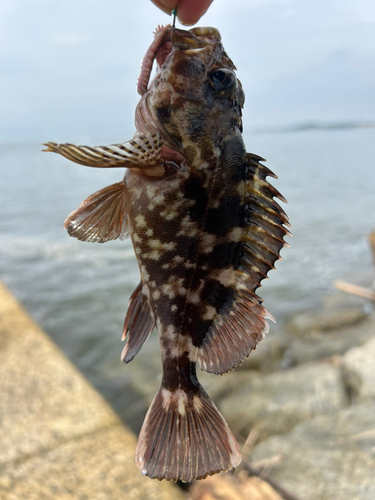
[(205, 229)]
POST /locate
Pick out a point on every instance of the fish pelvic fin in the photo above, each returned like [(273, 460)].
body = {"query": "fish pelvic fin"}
[(184, 437), (143, 151), (138, 325), (101, 217)]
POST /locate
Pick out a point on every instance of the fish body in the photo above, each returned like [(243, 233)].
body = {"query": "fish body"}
[(205, 229)]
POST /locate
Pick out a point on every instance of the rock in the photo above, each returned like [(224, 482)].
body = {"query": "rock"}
[(229, 487), (275, 403), (269, 354), (218, 387), (303, 324), (342, 300), (329, 457), (359, 372), (329, 343)]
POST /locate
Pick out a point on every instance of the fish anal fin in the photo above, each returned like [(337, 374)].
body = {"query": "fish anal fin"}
[(138, 325), (184, 437), (143, 151), (101, 217), (234, 334)]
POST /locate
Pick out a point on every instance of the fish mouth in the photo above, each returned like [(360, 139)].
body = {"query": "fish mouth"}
[(192, 40), (168, 39), (196, 38)]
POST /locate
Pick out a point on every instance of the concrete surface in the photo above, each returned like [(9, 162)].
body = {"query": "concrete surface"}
[(58, 438)]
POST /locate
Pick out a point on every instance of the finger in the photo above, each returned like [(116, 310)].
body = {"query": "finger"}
[(190, 11), (165, 5)]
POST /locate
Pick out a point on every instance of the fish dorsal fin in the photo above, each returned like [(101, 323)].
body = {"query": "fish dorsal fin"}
[(141, 151), (241, 321), (138, 325), (101, 217)]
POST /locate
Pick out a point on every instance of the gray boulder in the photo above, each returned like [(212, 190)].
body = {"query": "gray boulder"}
[(275, 403), (329, 457), (304, 323), (359, 372), (326, 343)]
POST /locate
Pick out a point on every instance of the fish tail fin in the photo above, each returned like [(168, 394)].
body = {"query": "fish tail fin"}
[(184, 437)]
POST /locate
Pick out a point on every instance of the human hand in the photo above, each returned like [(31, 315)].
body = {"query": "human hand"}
[(188, 11)]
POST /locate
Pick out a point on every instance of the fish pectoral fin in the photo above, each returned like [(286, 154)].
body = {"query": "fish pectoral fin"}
[(185, 437), (138, 325), (101, 217), (241, 323), (143, 151)]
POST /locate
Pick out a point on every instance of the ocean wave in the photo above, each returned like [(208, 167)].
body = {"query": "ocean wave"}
[(39, 248)]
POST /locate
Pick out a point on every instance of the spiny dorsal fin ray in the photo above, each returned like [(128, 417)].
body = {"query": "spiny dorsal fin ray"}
[(141, 151), (237, 328), (185, 437), (101, 217), (138, 325)]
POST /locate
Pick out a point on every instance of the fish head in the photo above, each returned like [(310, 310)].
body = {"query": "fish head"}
[(195, 99)]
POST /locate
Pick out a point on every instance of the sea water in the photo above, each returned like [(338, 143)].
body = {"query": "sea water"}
[(78, 291)]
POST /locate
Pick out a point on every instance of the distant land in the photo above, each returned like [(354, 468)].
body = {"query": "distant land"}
[(313, 125), (22, 138)]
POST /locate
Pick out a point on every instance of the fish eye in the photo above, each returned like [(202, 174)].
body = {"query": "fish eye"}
[(222, 79)]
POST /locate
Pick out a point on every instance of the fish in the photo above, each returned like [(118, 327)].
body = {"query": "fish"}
[(206, 228)]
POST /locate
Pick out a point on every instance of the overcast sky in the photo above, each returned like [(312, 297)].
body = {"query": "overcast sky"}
[(68, 69)]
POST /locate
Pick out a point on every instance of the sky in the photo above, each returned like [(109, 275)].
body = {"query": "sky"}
[(68, 70)]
